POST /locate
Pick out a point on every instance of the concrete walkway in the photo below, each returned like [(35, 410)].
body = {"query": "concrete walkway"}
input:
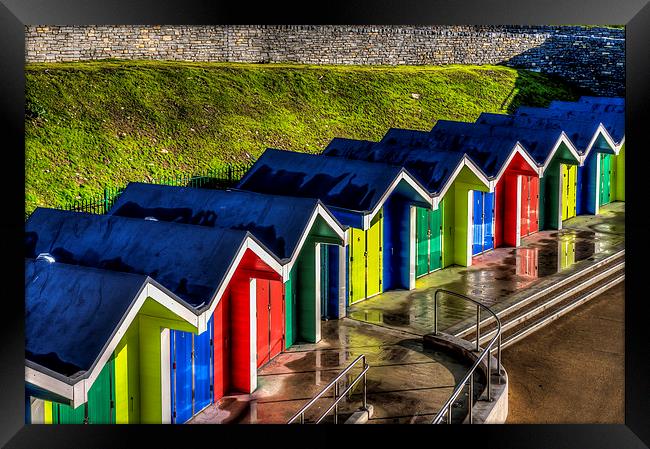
[(572, 371), (406, 382), (499, 274)]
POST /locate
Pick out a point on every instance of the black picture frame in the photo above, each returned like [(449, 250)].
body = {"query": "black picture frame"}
[(15, 14)]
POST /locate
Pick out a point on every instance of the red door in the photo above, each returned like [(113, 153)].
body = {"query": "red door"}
[(270, 320), (263, 321), (524, 220), (533, 205), (277, 317)]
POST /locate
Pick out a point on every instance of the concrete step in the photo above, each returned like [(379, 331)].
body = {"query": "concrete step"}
[(531, 305), (531, 309), (523, 329)]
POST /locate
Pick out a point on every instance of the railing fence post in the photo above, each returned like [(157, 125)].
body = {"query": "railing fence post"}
[(435, 313), (470, 398), (489, 374), (478, 326), (336, 405), (365, 375)]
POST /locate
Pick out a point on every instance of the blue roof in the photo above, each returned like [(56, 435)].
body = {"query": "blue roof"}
[(620, 101), (349, 148), (488, 149), (580, 132), (191, 261), (411, 149), (277, 221), (614, 122), (582, 106), (338, 182), (538, 143), (71, 312)]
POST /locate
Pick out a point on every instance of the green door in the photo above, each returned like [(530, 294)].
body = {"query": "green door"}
[(357, 264), (605, 178), (101, 397), (421, 241), (64, 414), (373, 256), (435, 240), (290, 308)]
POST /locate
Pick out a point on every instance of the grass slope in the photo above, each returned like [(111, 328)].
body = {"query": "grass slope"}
[(109, 122)]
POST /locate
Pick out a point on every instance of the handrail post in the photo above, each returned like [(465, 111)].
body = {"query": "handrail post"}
[(499, 357), (302, 418), (449, 413), (489, 375), (470, 397), (435, 312), (336, 404), (365, 391), (478, 328)]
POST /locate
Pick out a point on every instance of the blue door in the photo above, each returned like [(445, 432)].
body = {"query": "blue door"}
[(181, 381), (488, 221), (477, 223), (203, 369), (192, 373), (324, 280), (482, 222)]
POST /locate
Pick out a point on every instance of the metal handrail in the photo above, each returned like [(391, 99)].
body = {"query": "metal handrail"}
[(337, 398), (469, 377)]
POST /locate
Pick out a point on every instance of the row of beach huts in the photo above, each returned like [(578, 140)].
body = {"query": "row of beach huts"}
[(177, 296)]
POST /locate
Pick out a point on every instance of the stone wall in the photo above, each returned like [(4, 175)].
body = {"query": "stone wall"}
[(590, 57)]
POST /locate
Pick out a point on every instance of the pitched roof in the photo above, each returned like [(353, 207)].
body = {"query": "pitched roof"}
[(614, 122), (277, 221), (584, 106), (538, 143), (490, 150), (191, 261), (72, 311), (337, 182), (411, 149), (620, 101)]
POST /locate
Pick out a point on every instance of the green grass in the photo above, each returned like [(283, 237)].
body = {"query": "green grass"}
[(110, 122)]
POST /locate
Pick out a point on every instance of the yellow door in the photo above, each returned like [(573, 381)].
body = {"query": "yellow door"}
[(569, 174), (357, 265), (374, 255), (572, 170)]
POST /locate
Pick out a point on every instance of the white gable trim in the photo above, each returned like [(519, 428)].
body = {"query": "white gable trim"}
[(263, 254), (572, 149), (518, 148), (322, 211), (402, 176), (465, 162), (608, 138), (78, 392)]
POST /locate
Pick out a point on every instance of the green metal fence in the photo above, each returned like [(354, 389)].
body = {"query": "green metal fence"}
[(220, 178)]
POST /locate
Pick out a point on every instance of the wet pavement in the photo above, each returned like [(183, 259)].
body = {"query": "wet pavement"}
[(573, 370), (406, 382), (496, 276)]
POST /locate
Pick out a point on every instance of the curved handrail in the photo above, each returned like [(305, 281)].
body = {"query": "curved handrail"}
[(337, 398), (469, 377)]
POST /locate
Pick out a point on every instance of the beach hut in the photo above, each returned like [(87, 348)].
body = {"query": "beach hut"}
[(557, 159), (510, 168), (600, 140), (224, 278), (374, 200), (445, 235), (292, 228), (87, 336)]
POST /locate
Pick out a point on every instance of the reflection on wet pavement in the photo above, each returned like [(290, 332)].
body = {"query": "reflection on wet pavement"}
[(404, 380), (497, 274)]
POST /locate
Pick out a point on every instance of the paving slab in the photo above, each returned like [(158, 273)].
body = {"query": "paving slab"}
[(498, 276)]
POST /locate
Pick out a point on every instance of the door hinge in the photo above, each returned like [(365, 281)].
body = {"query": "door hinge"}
[(112, 403), (174, 365), (174, 414)]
